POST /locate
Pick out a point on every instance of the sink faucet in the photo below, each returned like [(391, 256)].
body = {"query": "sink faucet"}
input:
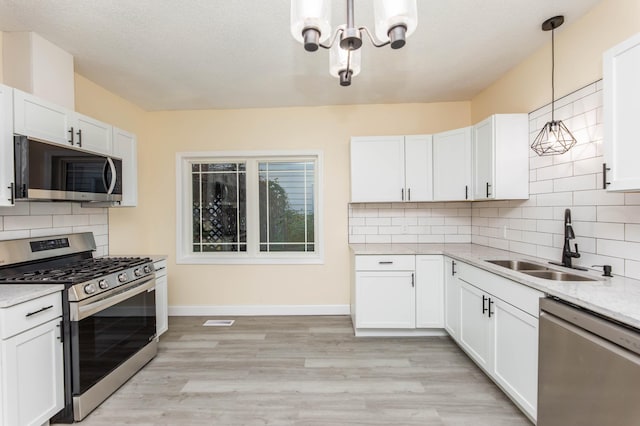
[(569, 235)]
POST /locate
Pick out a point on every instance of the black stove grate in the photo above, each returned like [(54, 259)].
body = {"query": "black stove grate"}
[(75, 271)]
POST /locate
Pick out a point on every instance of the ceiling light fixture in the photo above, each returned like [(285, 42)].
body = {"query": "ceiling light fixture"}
[(554, 138), (395, 20)]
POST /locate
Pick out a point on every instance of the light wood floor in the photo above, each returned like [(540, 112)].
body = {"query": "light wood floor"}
[(304, 371)]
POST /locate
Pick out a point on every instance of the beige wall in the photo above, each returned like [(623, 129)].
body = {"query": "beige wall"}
[(579, 48), (151, 227)]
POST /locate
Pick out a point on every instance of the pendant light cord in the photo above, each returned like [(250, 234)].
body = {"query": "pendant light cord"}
[(553, 66)]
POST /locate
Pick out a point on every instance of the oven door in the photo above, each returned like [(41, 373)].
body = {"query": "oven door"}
[(108, 331)]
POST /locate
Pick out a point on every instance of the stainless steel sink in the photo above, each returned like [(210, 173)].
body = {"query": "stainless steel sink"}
[(557, 275), (539, 271), (519, 265)]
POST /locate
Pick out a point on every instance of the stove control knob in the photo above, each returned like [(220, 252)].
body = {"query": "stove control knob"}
[(147, 269), (103, 284), (122, 277), (90, 288), (137, 272)]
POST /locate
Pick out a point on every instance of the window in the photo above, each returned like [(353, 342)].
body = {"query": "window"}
[(250, 208)]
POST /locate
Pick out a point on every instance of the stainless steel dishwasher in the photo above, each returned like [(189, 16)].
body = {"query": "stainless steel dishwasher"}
[(589, 369)]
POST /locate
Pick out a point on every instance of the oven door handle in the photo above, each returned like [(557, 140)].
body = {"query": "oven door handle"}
[(86, 308)]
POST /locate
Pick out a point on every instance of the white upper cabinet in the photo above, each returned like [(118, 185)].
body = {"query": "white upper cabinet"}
[(125, 147), (452, 165), (6, 147), (377, 169), (391, 168), (92, 134), (418, 171), (41, 119), (621, 112), (501, 157)]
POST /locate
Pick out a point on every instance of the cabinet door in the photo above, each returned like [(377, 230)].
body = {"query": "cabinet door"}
[(621, 96), (32, 375), (162, 308), (418, 171), (483, 159), (475, 325), (429, 292), (515, 364), (125, 147), (451, 299), (6, 147), (452, 165), (42, 119), (377, 169), (385, 299), (92, 134)]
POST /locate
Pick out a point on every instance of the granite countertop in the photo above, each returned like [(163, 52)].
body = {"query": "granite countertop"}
[(14, 294), (616, 297)]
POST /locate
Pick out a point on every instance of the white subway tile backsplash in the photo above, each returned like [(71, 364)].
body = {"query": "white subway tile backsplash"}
[(45, 232), (430, 239), (555, 199), (632, 199), (12, 235), (621, 214), (377, 239), (621, 249), (21, 208), (450, 238), (631, 232), (598, 197), (556, 171), (576, 183), (632, 269), (12, 223), (43, 208)]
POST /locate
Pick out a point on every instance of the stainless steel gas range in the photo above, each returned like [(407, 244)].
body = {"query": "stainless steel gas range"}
[(109, 318)]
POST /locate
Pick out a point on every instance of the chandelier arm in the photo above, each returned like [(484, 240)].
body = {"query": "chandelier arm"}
[(332, 39), (372, 39)]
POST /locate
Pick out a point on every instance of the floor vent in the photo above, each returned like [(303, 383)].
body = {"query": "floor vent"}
[(218, 323)]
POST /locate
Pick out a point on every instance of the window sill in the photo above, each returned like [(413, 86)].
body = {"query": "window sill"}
[(237, 260)]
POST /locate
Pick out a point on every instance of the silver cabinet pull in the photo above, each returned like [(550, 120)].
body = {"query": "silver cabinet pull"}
[(385, 262)]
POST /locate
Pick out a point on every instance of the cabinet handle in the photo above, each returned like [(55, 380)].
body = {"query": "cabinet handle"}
[(402, 194), (79, 133), (12, 188), (61, 338), (409, 194), (385, 262), (70, 131), (491, 302), (488, 186), (39, 310), (413, 280), (605, 169), (484, 307), (453, 267), (466, 192)]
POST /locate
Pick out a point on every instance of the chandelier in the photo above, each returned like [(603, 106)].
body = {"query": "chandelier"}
[(395, 20)]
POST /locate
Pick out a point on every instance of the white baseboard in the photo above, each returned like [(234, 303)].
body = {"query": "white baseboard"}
[(409, 332), (258, 310)]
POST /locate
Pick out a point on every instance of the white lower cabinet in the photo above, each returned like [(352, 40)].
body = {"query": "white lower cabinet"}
[(499, 331), (31, 362), (451, 299), (162, 297), (401, 292), (429, 292)]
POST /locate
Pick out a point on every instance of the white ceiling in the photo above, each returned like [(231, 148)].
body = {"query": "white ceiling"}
[(200, 54)]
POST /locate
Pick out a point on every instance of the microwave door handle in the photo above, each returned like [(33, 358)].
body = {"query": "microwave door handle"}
[(114, 176)]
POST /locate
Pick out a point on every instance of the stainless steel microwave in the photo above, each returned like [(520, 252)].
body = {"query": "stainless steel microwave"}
[(50, 171)]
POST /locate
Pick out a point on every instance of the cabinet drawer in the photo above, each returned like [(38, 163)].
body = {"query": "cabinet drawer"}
[(161, 267), (385, 263), (519, 295), (26, 315)]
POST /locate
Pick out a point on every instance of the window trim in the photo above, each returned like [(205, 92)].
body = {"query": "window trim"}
[(253, 255)]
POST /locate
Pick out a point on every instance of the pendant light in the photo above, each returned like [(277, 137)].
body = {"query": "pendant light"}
[(395, 20), (554, 138)]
